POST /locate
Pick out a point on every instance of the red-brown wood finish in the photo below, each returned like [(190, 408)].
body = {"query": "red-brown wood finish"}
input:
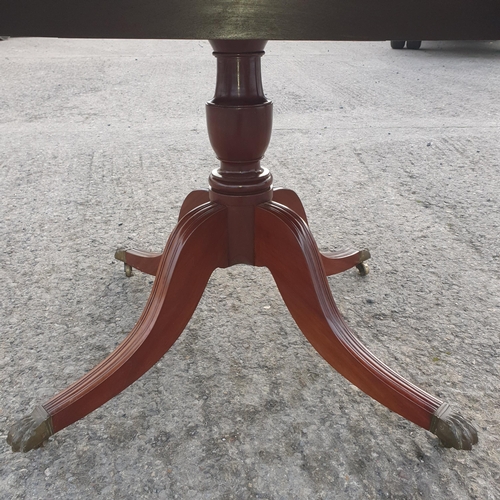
[(193, 200), (333, 262), (283, 242), (200, 237), (146, 262), (241, 220)]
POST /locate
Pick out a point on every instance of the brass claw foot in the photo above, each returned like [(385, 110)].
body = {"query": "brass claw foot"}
[(201, 237), (452, 429), (31, 432)]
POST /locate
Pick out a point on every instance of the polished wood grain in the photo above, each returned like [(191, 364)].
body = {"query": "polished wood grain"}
[(200, 237), (146, 262), (252, 19), (283, 242), (193, 200), (333, 262)]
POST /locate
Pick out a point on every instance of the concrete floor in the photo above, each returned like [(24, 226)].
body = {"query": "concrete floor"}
[(398, 151)]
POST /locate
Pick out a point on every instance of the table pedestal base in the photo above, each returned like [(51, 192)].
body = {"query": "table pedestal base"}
[(241, 220), (199, 244)]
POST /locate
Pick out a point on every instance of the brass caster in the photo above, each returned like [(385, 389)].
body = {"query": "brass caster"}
[(452, 429), (128, 270), (362, 268), (31, 432), (121, 255)]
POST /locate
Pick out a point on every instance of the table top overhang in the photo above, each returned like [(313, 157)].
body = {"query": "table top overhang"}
[(254, 19)]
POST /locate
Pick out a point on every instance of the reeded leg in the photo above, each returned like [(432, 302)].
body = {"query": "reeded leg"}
[(148, 262), (193, 199), (333, 262), (197, 246), (342, 260), (284, 242), (290, 199)]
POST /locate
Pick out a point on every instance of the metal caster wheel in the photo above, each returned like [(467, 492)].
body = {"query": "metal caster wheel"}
[(362, 268), (128, 270)]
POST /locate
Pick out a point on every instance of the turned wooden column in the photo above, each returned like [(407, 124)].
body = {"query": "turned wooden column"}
[(239, 122)]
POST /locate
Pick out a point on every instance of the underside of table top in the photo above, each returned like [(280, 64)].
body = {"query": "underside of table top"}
[(254, 19)]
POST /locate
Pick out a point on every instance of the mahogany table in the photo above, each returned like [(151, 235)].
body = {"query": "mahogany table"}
[(241, 218)]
